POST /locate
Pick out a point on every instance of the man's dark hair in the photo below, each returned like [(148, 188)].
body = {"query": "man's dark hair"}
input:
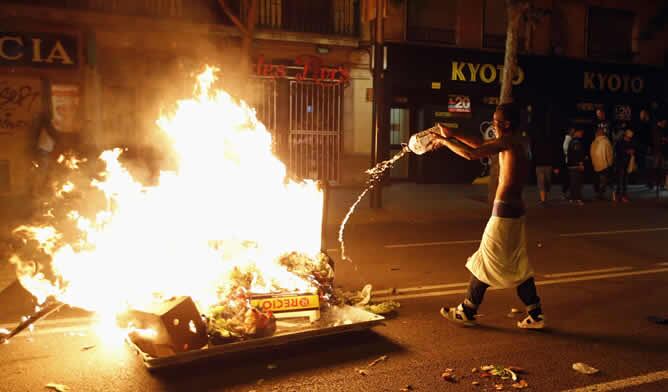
[(511, 113)]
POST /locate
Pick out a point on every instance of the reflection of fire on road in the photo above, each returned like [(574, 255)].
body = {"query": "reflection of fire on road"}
[(225, 228)]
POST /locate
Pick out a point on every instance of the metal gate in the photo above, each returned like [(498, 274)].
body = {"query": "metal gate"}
[(314, 133), (261, 95)]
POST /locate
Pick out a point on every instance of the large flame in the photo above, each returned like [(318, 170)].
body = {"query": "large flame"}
[(226, 209)]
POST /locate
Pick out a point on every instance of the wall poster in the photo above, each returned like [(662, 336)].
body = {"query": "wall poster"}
[(65, 100)]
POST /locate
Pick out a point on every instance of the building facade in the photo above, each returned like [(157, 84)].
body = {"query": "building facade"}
[(444, 61), (100, 73)]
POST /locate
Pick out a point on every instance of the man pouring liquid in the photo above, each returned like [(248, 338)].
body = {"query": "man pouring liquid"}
[(501, 260)]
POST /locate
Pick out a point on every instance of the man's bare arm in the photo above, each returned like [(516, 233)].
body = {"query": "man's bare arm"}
[(471, 140), (485, 150)]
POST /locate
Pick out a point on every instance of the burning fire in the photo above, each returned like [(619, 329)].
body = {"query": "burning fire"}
[(227, 211)]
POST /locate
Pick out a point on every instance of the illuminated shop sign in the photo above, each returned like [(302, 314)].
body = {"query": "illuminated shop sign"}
[(38, 49), (483, 73), (613, 82), (303, 68), (459, 104)]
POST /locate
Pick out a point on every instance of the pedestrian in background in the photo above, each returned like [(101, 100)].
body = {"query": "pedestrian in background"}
[(602, 160), (43, 160), (602, 123), (565, 176), (660, 147), (547, 159), (644, 154), (576, 158), (624, 165)]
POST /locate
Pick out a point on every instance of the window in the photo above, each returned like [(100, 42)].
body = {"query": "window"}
[(399, 133), (432, 20), (495, 25), (609, 34)]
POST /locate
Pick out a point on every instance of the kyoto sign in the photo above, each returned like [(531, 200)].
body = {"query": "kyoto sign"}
[(485, 73), (612, 82), (38, 49)]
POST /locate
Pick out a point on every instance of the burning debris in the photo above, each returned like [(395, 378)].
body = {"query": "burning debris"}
[(213, 251)]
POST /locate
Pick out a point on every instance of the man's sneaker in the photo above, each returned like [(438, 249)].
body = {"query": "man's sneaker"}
[(532, 323), (457, 315)]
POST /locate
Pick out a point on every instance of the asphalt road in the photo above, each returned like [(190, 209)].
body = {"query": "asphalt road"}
[(601, 271)]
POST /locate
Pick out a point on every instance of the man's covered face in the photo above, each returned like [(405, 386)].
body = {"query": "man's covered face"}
[(500, 124)]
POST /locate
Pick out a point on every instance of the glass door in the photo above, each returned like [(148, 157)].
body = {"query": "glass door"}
[(399, 133)]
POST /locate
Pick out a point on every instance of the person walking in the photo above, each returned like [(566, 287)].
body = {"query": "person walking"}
[(565, 177), (43, 161), (502, 259), (602, 123), (576, 158), (624, 162), (602, 160), (547, 159), (660, 148), (644, 154)]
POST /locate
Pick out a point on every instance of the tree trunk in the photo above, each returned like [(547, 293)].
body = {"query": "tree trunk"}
[(515, 10), (247, 40)]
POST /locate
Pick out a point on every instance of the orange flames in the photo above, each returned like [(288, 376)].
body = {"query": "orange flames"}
[(226, 209)]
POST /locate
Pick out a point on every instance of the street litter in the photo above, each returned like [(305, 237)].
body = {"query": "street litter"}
[(377, 360), (57, 387), (86, 348), (449, 376), (498, 387), (407, 388), (383, 308), (272, 366), (363, 299), (584, 368), (520, 385), (362, 372), (503, 372), (476, 383)]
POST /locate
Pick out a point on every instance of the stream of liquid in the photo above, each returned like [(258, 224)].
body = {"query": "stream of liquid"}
[(375, 175)]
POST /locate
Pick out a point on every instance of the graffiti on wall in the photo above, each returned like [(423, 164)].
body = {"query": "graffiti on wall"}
[(20, 101)]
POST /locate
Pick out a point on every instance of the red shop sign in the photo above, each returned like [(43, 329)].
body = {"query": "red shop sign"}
[(305, 67)]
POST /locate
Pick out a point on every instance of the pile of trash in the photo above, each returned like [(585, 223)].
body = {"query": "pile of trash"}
[(363, 299), (499, 377)]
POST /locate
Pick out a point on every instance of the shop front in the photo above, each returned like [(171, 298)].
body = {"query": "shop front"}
[(460, 88), (456, 87), (40, 85), (305, 99)]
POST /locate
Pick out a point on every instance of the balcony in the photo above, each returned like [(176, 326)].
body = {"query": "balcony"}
[(198, 11), (326, 17), (322, 17)]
